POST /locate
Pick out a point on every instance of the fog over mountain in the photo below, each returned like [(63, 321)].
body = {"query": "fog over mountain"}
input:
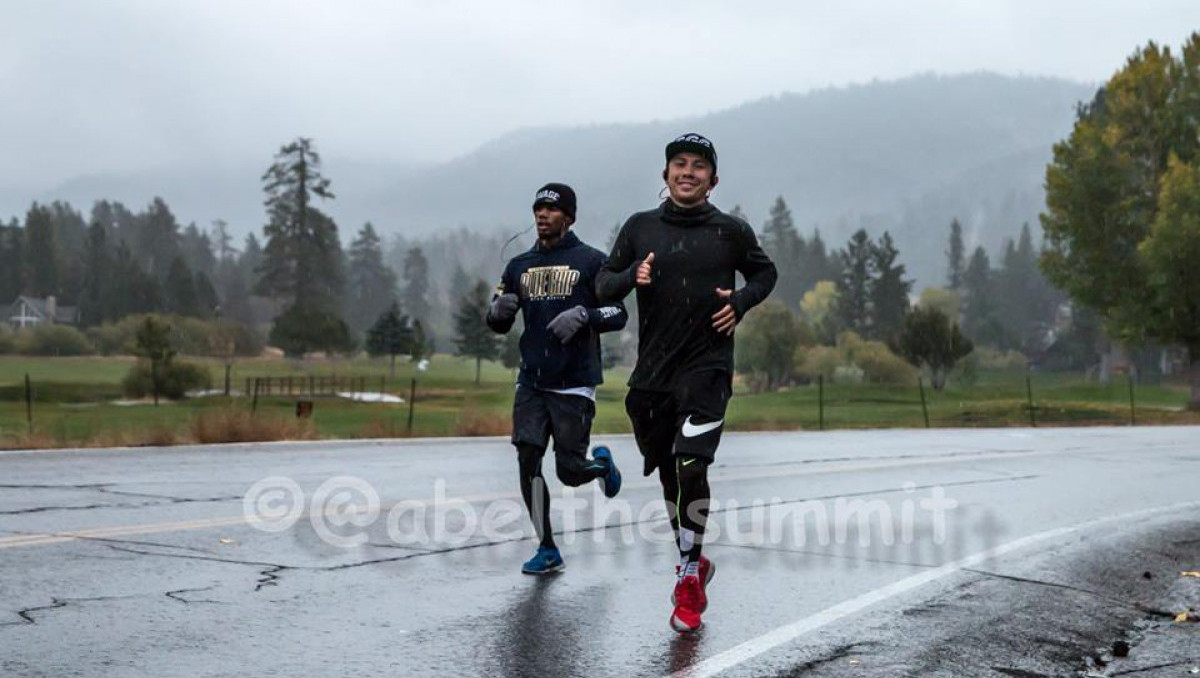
[(906, 155)]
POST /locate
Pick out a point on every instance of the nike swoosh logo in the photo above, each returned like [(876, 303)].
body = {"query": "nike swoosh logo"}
[(691, 430), (687, 461)]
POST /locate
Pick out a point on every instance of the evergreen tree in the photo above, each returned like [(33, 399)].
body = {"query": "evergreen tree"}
[(979, 304), (223, 242), (416, 284), (180, 290), (815, 263), (954, 255), (784, 245), (391, 335), (889, 291), (302, 259), (153, 340), (370, 284), (70, 233), (207, 299), (475, 339), (302, 329), (156, 239), (133, 290), (95, 295), (854, 288), (42, 254), (197, 250), (12, 257), (251, 259)]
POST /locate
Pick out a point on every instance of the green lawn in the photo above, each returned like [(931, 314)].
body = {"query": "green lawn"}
[(74, 402)]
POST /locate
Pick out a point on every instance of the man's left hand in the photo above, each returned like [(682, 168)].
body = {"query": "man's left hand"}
[(725, 319), (566, 324)]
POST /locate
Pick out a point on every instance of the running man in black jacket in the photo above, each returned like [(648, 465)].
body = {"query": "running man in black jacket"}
[(682, 258), (553, 285)]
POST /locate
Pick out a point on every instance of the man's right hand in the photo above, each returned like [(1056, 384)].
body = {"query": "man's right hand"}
[(644, 269), (504, 307)]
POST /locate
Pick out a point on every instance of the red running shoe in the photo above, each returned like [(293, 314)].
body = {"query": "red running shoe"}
[(690, 601), (707, 570)]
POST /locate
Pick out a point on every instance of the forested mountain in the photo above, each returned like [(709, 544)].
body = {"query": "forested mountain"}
[(905, 156)]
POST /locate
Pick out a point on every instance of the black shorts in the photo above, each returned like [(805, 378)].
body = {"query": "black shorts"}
[(684, 422), (538, 415)]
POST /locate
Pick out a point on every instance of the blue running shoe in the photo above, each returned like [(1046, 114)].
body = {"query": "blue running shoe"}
[(612, 480), (545, 561)]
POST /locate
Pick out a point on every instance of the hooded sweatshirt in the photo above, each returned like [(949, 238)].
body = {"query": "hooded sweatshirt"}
[(550, 281), (696, 250)]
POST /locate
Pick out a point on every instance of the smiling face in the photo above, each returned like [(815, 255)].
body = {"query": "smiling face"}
[(552, 223), (689, 179)]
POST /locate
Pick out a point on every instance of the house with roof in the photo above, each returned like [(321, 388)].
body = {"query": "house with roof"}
[(32, 311)]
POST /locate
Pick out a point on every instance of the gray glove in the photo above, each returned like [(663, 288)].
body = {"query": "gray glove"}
[(566, 324), (504, 307)]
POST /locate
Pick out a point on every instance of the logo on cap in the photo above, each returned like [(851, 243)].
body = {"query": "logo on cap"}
[(552, 196), (695, 139)]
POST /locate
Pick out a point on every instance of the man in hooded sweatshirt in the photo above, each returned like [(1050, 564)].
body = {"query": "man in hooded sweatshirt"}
[(682, 257), (553, 285)]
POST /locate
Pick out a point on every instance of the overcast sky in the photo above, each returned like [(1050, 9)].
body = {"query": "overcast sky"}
[(94, 86)]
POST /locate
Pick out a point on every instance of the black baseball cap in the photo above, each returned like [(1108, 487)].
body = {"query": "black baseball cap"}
[(693, 143)]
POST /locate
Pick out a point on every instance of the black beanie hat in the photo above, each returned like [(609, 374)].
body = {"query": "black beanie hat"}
[(693, 143), (556, 195)]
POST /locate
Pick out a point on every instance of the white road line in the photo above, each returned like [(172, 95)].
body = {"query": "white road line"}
[(787, 633)]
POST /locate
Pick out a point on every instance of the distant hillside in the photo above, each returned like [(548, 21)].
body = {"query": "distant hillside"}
[(905, 155)]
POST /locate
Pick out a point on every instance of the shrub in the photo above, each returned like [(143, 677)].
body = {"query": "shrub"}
[(818, 361), (110, 340), (177, 378), (988, 358), (854, 360), (53, 340), (881, 366)]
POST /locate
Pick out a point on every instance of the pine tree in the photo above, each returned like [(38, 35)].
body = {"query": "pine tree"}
[(180, 287), (370, 284), (207, 299), (197, 250), (41, 249), (784, 245), (475, 339), (416, 285), (302, 259), (954, 256), (95, 295), (979, 304), (391, 335), (889, 291), (12, 257), (302, 262), (816, 264), (854, 288), (156, 239), (133, 290)]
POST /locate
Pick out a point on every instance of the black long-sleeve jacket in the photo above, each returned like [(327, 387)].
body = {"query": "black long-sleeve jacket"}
[(550, 281), (696, 250)]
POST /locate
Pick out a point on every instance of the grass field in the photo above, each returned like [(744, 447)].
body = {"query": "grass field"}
[(74, 404)]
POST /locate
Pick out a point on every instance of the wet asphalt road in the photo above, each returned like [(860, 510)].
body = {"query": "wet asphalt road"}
[(143, 562)]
